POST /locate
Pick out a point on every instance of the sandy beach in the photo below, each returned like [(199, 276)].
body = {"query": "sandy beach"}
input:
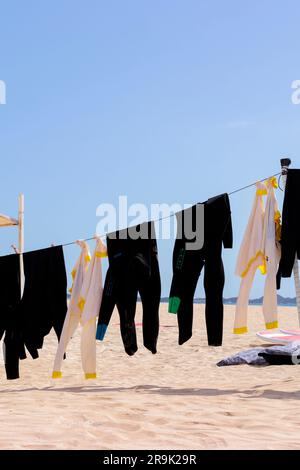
[(177, 399)]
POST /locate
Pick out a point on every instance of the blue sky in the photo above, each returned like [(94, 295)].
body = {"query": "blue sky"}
[(162, 101)]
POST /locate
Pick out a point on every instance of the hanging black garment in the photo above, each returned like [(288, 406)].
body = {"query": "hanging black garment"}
[(188, 264), (10, 294), (290, 230), (43, 305), (9, 288), (44, 302), (133, 268)]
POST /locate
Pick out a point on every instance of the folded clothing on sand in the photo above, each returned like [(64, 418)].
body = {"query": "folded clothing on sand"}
[(282, 355), (250, 356), (274, 355)]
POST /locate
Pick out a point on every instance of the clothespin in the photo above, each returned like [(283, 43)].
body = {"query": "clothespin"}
[(98, 238), (81, 243), (103, 249), (285, 163)]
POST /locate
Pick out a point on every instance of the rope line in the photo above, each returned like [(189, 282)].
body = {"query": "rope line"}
[(174, 213), (252, 184), (170, 215)]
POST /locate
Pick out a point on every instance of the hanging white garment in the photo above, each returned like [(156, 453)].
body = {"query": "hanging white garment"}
[(74, 313), (259, 249), (92, 287), (271, 250), (250, 251), (89, 305)]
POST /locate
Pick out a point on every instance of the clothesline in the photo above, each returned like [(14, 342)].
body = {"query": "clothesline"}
[(253, 184), (174, 213)]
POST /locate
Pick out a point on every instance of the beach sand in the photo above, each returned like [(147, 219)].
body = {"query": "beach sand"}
[(177, 399)]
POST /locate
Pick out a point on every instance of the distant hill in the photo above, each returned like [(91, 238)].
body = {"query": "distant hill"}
[(282, 301)]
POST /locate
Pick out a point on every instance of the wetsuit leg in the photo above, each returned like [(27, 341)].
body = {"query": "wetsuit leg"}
[(150, 291), (126, 304), (10, 324), (187, 266), (213, 284), (108, 303)]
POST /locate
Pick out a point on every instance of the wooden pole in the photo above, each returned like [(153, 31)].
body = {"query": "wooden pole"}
[(21, 239)]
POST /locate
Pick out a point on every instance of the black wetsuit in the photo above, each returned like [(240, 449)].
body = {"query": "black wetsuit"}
[(188, 264), (133, 268), (43, 305), (290, 230), (44, 301), (10, 295)]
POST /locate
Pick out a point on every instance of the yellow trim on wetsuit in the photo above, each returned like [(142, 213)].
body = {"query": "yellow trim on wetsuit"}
[(271, 325), (91, 375), (56, 374), (262, 267)]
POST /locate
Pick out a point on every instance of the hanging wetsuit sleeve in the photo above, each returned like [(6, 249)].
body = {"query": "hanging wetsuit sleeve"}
[(228, 233), (290, 230), (11, 353), (59, 292), (178, 276), (107, 304), (179, 256)]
